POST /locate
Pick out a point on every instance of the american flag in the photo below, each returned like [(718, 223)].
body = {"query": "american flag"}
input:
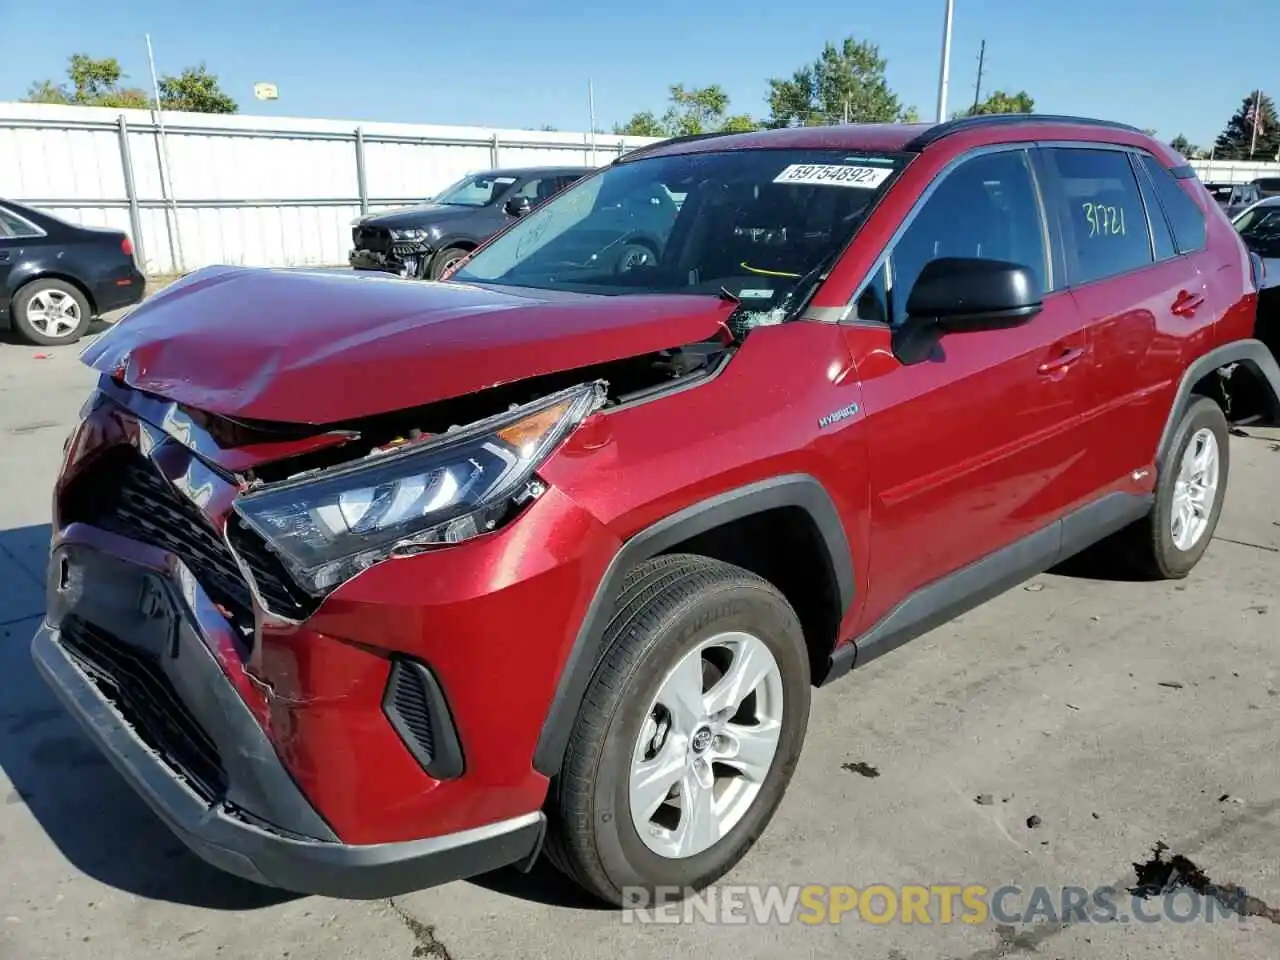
[(1254, 116)]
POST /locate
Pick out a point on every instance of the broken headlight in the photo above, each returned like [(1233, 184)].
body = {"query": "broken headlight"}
[(417, 234), (329, 526)]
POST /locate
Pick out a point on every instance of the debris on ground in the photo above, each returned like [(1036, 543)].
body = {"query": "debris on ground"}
[(1095, 816), (1072, 706), (1171, 684), (1033, 587), (1033, 821), (862, 769), (983, 800)]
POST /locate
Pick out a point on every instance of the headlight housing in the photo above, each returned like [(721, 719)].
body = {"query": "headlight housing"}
[(331, 525), (410, 233)]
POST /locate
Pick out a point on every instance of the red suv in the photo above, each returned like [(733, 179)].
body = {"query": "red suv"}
[(366, 583)]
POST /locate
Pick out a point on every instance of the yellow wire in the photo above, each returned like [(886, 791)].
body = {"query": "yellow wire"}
[(768, 273)]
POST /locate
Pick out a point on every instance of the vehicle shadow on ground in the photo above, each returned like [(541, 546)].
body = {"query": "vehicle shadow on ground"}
[(9, 336), (543, 884), (93, 817)]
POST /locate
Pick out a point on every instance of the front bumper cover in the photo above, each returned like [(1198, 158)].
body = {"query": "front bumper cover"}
[(263, 828)]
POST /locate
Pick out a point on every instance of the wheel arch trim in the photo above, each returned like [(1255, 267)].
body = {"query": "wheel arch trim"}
[(1254, 353), (795, 490)]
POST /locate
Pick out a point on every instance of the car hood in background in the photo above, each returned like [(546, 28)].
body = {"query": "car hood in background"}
[(421, 215), (322, 347)]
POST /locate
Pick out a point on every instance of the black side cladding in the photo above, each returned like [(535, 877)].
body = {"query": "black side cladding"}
[(415, 706)]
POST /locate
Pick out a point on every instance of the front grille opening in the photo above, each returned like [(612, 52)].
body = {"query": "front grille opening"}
[(415, 706), (134, 683), (125, 494)]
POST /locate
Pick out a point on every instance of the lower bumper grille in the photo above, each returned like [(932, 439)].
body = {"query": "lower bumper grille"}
[(137, 687)]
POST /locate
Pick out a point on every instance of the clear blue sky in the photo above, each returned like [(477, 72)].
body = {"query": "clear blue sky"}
[(1175, 65)]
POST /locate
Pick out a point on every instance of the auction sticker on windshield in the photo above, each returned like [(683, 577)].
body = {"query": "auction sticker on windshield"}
[(835, 175)]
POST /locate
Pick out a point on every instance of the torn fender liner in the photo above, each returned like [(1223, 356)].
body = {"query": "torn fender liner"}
[(312, 347)]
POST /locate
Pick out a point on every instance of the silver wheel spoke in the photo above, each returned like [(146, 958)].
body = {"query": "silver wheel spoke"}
[(752, 662), (652, 780), (750, 750), (699, 827), (682, 695)]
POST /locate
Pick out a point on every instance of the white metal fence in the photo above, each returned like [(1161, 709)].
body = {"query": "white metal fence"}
[(272, 190), (249, 189)]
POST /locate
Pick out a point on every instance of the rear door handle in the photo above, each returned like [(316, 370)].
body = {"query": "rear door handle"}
[(1062, 360), (1186, 304), (4, 256)]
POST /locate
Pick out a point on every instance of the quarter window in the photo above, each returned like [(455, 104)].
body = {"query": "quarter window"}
[(12, 226), (1185, 217), (1161, 234), (986, 207), (1104, 219)]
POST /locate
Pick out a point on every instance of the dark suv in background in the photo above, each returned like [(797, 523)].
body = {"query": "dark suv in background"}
[(426, 240)]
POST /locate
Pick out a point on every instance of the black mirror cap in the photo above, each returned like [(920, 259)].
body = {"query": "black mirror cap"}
[(518, 206), (974, 293)]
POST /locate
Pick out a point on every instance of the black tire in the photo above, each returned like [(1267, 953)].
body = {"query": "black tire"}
[(443, 260), (21, 310), (667, 606), (634, 254), (1151, 550)]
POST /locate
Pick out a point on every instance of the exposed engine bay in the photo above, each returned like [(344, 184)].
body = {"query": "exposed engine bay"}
[(627, 380)]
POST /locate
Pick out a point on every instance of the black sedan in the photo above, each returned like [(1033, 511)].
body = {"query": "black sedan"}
[(426, 240), (55, 277)]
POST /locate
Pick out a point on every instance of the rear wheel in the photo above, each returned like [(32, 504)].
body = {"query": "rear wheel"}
[(50, 313), (1170, 541), (689, 732)]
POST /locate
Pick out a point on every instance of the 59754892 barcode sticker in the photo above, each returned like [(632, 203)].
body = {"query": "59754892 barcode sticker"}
[(834, 175)]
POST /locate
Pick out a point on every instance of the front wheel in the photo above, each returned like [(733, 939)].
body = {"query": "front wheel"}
[(445, 261), (688, 735)]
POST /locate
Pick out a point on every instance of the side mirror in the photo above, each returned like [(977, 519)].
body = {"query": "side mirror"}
[(960, 294), (517, 206)]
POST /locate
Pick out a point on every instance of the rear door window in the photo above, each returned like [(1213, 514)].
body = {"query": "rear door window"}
[(1102, 214), (1185, 217)]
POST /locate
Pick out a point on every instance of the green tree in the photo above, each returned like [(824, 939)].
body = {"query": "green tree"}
[(690, 110), (195, 90), (845, 83), (93, 82), (1184, 146), (643, 124), (1002, 102), (98, 82), (1252, 132)]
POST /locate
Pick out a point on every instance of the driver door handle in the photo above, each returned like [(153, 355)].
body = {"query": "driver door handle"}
[(1063, 360)]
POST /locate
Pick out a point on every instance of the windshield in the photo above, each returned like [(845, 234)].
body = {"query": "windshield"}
[(478, 191), (760, 226), (1259, 228)]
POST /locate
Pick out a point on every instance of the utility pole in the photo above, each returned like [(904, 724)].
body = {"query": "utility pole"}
[(945, 73), (977, 87)]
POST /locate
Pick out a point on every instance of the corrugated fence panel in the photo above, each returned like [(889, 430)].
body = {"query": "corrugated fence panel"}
[(247, 189)]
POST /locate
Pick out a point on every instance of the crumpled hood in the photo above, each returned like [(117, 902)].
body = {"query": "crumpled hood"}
[(320, 347)]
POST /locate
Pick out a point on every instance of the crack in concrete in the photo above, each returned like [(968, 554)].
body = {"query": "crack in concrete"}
[(426, 945), (1245, 543)]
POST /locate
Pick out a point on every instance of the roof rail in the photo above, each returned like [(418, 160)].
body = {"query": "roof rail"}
[(960, 124), (672, 141)]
